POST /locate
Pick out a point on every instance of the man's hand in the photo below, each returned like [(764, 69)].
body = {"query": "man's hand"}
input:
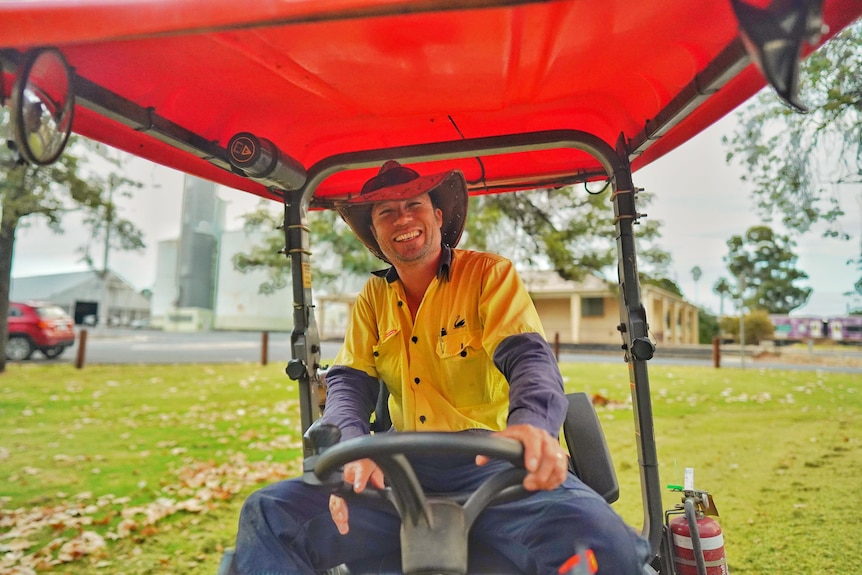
[(358, 474), (544, 458)]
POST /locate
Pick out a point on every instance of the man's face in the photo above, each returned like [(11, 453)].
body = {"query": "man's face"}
[(407, 231)]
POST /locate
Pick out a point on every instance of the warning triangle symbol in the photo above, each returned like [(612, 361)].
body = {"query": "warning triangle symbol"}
[(241, 149)]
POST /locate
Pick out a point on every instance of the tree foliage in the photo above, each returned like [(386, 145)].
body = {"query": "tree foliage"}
[(803, 166), (724, 290), (337, 254), (757, 324), (762, 266), (52, 192), (568, 229), (707, 326)]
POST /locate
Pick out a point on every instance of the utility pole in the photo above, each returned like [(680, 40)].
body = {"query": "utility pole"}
[(104, 295), (741, 285)]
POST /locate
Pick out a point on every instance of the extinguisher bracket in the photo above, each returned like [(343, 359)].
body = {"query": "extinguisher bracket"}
[(703, 500)]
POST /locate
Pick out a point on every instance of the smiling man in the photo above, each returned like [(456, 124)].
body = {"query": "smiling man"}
[(456, 339)]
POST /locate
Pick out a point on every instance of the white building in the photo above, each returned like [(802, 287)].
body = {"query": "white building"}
[(197, 287), (80, 294)]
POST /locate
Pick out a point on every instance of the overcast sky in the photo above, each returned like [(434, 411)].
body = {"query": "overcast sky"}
[(700, 201)]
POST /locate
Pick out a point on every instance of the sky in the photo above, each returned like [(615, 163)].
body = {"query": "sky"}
[(700, 201)]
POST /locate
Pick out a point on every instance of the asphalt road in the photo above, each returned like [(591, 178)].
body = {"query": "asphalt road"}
[(128, 346), (146, 346)]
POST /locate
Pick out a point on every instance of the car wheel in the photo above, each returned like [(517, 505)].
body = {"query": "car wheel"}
[(52, 352), (18, 348)]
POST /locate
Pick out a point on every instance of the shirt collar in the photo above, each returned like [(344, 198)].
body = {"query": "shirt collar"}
[(390, 274)]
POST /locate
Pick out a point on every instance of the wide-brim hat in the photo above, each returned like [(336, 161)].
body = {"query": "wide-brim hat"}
[(394, 182)]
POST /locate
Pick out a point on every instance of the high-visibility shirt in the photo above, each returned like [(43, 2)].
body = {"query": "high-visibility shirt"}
[(443, 370)]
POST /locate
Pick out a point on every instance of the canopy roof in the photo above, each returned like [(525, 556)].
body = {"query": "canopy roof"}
[(174, 80)]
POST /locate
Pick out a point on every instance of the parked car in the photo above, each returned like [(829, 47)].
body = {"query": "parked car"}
[(38, 325)]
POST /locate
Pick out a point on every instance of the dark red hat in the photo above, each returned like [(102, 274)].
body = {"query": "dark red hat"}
[(448, 191)]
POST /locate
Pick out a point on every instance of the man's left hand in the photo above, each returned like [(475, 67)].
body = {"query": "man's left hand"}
[(544, 458)]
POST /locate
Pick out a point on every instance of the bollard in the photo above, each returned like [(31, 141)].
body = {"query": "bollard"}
[(82, 349), (557, 346), (716, 352), (264, 348)]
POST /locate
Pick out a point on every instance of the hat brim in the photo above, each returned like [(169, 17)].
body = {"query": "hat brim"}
[(448, 191)]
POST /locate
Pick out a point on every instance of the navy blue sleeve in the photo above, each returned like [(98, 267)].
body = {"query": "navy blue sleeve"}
[(536, 394), (351, 396)]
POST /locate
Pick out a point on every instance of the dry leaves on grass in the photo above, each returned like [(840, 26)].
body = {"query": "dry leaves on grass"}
[(74, 523)]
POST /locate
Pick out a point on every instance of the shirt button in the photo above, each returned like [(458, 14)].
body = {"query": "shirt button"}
[(376, 353), (416, 379), (421, 419), (464, 353), (400, 303), (414, 339)]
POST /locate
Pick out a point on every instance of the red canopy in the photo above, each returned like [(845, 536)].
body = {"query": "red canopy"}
[(321, 78)]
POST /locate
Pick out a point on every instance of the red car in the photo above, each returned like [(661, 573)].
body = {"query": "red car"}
[(36, 325)]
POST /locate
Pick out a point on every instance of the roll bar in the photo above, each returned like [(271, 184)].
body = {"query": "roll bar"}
[(305, 342)]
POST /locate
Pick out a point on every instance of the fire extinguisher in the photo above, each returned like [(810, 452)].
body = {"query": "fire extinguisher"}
[(703, 553), (711, 543)]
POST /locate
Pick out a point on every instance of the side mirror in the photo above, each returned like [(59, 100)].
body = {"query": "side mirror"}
[(42, 106)]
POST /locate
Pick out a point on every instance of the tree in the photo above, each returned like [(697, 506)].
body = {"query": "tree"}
[(707, 326), (722, 288), (341, 254), (757, 325), (664, 283), (763, 267), (52, 192), (569, 229), (696, 274), (802, 165)]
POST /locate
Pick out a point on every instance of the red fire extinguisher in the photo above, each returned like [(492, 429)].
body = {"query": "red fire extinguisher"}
[(711, 543)]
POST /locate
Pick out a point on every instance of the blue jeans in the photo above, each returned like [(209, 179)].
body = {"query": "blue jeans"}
[(286, 528)]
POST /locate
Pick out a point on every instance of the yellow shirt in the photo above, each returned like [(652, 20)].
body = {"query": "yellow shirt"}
[(439, 370)]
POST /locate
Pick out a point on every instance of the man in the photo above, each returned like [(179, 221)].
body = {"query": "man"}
[(456, 339)]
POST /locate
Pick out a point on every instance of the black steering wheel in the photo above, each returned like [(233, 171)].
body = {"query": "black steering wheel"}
[(430, 524)]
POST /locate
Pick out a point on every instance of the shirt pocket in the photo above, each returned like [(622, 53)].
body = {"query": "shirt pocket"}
[(464, 366), (387, 359)]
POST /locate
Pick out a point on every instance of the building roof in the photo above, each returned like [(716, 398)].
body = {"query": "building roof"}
[(49, 287), (548, 282)]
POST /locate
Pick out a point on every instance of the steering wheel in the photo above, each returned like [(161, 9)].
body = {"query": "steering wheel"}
[(429, 524)]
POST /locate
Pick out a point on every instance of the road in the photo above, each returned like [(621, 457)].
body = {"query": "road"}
[(128, 346)]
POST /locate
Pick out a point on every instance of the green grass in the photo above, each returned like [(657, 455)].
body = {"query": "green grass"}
[(780, 451), (157, 460)]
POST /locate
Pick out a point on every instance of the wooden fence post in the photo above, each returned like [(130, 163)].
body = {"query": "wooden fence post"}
[(82, 349)]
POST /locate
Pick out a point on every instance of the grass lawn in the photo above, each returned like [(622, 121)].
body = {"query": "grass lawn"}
[(143, 469)]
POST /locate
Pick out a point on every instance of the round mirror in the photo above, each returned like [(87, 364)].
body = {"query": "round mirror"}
[(42, 106)]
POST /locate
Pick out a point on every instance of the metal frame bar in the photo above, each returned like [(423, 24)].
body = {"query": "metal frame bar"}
[(304, 367), (727, 65), (111, 105), (633, 326)]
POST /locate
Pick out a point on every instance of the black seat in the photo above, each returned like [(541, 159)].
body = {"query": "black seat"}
[(590, 458)]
